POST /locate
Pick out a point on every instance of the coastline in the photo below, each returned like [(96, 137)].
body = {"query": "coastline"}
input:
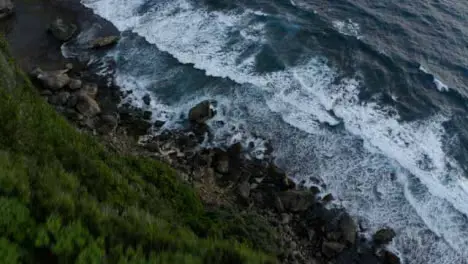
[(308, 231)]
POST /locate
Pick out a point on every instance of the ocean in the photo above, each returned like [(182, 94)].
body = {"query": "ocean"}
[(366, 99)]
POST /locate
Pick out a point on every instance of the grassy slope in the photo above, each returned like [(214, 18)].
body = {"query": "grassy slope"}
[(64, 198)]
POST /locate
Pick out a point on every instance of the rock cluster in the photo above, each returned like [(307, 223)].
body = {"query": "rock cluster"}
[(308, 231)]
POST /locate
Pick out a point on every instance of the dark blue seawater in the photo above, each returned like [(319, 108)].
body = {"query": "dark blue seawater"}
[(369, 97)]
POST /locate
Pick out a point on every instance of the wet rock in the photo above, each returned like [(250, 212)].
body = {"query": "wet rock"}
[(384, 236), (104, 42), (296, 201), (52, 80), (7, 8), (201, 112), (62, 30), (147, 115), (75, 84), (331, 249), (69, 66), (91, 89), (348, 228), (147, 99), (328, 198), (314, 189), (107, 124), (87, 105), (390, 258), (159, 123)]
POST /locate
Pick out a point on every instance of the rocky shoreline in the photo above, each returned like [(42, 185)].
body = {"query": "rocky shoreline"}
[(307, 231)]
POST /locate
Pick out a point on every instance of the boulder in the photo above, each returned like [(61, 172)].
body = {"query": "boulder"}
[(244, 190), (146, 99), (87, 106), (59, 99), (348, 228), (384, 236), (52, 80), (72, 101), (328, 198), (107, 124), (331, 249), (390, 258), (7, 8), (296, 201), (91, 89), (104, 42), (61, 30), (75, 84), (201, 112)]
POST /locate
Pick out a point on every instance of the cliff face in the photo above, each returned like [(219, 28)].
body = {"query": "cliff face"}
[(65, 198)]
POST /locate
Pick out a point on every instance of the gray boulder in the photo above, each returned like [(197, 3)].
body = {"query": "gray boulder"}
[(61, 30), (384, 236), (87, 106), (201, 112), (52, 80), (104, 42), (91, 89), (59, 99), (331, 249), (7, 8), (75, 84), (244, 190), (107, 124)]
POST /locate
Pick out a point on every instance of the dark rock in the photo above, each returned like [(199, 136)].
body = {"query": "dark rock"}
[(314, 189), (147, 115), (7, 8), (328, 198), (53, 80), (147, 99), (75, 84), (61, 30), (278, 204), (331, 249), (222, 163), (59, 99), (390, 258), (72, 101), (383, 236), (91, 89), (87, 105), (244, 190), (296, 201), (107, 124), (348, 228), (159, 123), (104, 42), (201, 112), (285, 218)]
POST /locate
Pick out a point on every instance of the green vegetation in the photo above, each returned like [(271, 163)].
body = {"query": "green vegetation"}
[(64, 198)]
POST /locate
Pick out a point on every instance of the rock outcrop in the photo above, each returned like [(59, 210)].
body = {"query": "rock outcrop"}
[(201, 112), (104, 42)]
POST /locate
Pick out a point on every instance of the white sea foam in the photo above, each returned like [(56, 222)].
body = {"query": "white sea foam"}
[(348, 28), (307, 97), (442, 87)]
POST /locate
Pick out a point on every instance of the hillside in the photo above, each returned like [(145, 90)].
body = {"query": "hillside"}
[(65, 198)]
